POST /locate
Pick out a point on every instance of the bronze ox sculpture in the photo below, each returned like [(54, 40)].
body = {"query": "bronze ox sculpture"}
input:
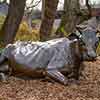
[(58, 58)]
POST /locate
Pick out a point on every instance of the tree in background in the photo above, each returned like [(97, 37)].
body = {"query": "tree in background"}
[(12, 21), (43, 9), (4, 1), (48, 19), (69, 18), (89, 9), (29, 9)]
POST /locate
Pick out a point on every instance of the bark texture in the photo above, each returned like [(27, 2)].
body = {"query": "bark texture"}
[(70, 16), (12, 22), (48, 19)]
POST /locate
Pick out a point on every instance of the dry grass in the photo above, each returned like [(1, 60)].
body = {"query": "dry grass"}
[(25, 34)]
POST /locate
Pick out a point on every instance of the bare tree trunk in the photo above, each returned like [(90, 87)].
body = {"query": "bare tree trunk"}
[(89, 9), (43, 8), (70, 17), (48, 19), (28, 19), (12, 22)]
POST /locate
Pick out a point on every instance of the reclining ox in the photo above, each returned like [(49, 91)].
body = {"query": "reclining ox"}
[(58, 58)]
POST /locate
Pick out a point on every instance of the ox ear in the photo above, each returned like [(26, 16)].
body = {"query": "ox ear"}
[(73, 43), (98, 37)]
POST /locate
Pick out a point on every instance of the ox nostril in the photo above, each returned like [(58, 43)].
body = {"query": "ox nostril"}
[(92, 55), (93, 58)]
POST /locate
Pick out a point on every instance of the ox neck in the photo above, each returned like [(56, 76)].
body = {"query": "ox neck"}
[(74, 36)]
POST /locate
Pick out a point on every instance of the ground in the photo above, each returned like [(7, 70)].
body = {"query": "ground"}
[(37, 89)]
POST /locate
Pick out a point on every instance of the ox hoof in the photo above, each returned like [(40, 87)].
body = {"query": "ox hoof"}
[(65, 82), (3, 77), (74, 81)]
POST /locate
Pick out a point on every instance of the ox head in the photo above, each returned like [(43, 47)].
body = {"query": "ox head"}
[(88, 42)]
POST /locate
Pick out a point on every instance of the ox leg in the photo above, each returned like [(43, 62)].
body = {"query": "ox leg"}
[(58, 76), (75, 73), (3, 77), (2, 59)]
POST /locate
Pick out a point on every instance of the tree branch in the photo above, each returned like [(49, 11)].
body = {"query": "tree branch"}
[(32, 6)]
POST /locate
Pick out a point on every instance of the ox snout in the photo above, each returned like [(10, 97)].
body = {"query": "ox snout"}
[(92, 55)]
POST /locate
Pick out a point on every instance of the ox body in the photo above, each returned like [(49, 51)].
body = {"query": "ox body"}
[(42, 58), (56, 58)]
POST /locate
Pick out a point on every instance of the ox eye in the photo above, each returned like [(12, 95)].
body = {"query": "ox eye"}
[(96, 44)]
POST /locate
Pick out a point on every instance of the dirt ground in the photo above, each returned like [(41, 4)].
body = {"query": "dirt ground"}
[(36, 89)]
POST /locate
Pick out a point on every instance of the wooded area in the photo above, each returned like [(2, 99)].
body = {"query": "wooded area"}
[(72, 15), (52, 53)]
